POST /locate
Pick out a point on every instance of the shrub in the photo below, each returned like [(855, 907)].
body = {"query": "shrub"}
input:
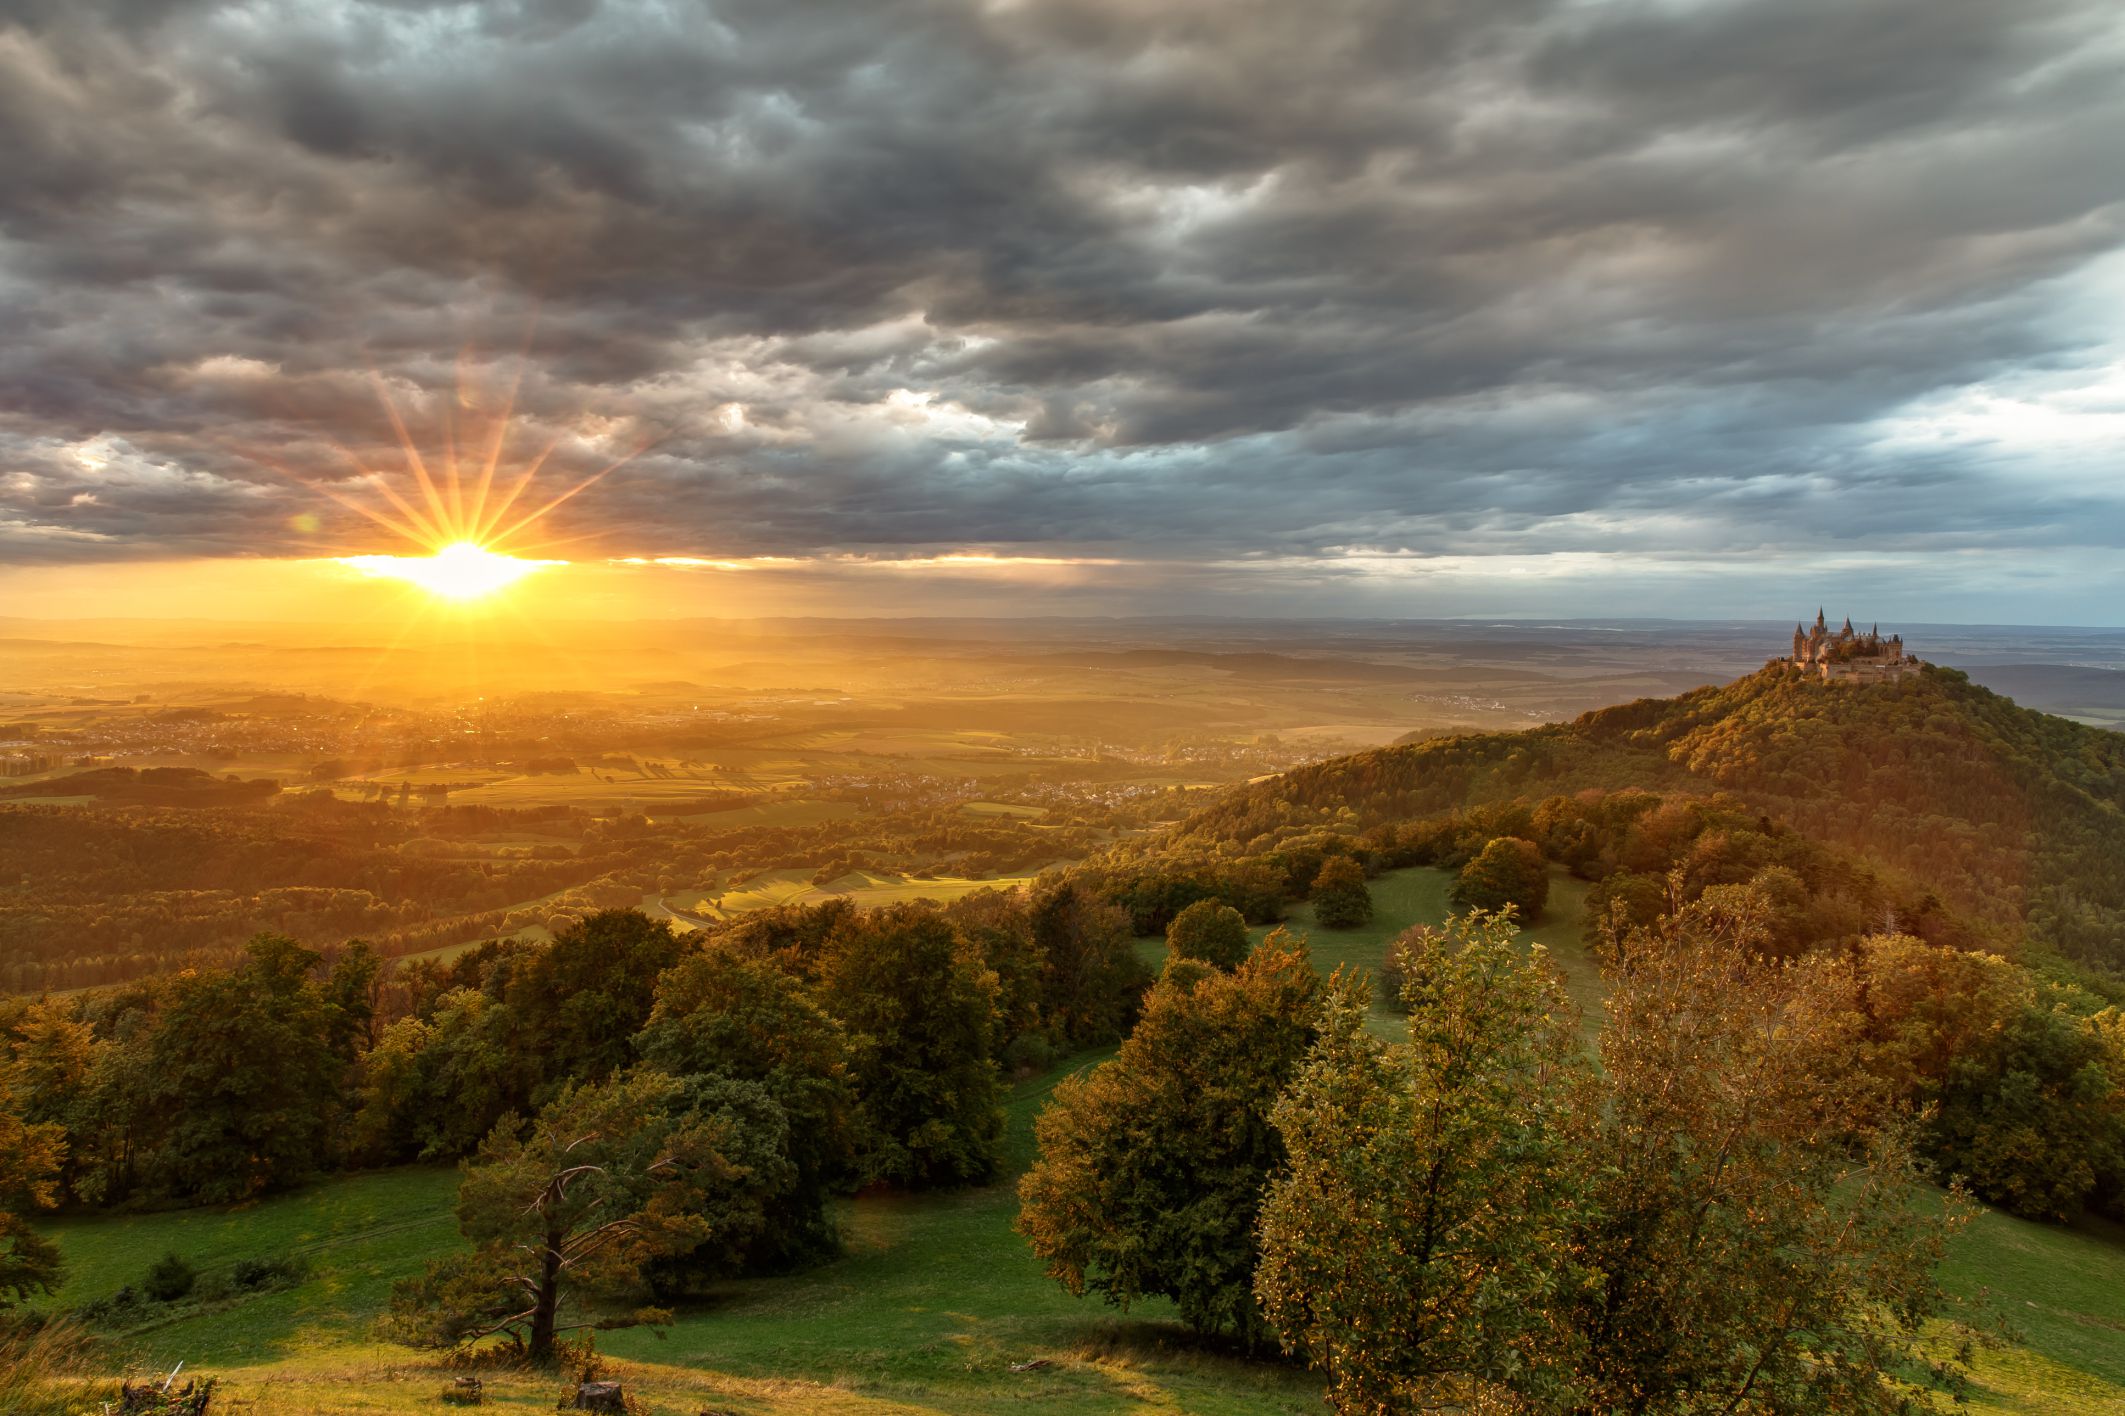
[(169, 1279), (1340, 899), (1508, 872), (1208, 930), (267, 1273)]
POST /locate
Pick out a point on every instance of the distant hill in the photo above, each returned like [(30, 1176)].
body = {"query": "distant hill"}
[(2011, 816)]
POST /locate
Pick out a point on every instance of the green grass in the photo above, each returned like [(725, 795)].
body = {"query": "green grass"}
[(1401, 898), (2061, 1293), (937, 1296), (358, 1234), (935, 1299)]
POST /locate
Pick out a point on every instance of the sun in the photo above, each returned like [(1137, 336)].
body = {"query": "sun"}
[(462, 570), (457, 515)]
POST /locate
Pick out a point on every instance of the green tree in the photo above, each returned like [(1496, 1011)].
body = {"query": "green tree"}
[(920, 1009), (1151, 1168), (1091, 980), (31, 1154), (2035, 1121), (245, 1080), (1210, 931), (433, 1086), (566, 1217), (1507, 873), (1415, 1246), (722, 1015), (579, 1002), (1340, 899), (2023, 1091)]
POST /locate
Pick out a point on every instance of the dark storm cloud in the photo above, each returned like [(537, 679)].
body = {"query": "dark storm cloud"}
[(1197, 281)]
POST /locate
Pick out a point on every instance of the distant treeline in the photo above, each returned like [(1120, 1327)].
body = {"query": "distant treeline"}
[(95, 896)]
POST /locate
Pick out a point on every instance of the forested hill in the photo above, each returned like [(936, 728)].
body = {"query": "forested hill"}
[(2009, 815)]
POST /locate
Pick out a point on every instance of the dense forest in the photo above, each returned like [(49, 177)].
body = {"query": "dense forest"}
[(2011, 817), (100, 895)]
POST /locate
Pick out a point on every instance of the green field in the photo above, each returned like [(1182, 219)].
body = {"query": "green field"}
[(862, 887), (1418, 896), (936, 1298)]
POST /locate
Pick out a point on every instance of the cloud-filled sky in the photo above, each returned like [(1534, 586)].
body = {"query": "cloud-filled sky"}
[(1387, 306)]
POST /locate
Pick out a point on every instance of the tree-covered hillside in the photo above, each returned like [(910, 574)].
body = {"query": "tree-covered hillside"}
[(2012, 817)]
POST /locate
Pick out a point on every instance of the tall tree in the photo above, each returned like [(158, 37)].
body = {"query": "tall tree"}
[(245, 1085), (1416, 1245), (1091, 979), (579, 1003), (920, 1009), (51, 1073), (1508, 873), (1151, 1168), (433, 1086), (719, 1014)]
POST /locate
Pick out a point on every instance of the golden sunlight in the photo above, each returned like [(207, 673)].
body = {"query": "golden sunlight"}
[(459, 571)]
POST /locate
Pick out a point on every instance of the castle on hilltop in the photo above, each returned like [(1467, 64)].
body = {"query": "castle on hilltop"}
[(1846, 654)]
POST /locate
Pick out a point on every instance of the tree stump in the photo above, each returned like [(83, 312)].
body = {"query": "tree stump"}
[(600, 1396), (465, 1391)]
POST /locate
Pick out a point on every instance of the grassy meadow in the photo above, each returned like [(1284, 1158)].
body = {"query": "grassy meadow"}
[(936, 1299)]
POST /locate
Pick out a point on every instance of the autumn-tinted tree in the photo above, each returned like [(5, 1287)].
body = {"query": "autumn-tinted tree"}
[(722, 1015), (1151, 1168), (1415, 1247), (1508, 873), (1757, 1241), (567, 1216), (920, 1009), (1340, 899), (2024, 1093), (1212, 932), (1620, 904), (50, 1075), (30, 1157), (580, 1002)]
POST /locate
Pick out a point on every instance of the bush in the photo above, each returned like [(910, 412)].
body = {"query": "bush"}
[(1508, 872), (267, 1273), (169, 1279), (1340, 899), (1212, 932)]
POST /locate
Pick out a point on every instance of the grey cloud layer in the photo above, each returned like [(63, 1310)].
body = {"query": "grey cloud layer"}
[(1191, 280)]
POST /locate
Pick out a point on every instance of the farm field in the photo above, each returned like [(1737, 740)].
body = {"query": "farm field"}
[(861, 887), (937, 1297)]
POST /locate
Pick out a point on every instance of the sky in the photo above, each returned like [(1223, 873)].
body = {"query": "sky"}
[(1379, 307)]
